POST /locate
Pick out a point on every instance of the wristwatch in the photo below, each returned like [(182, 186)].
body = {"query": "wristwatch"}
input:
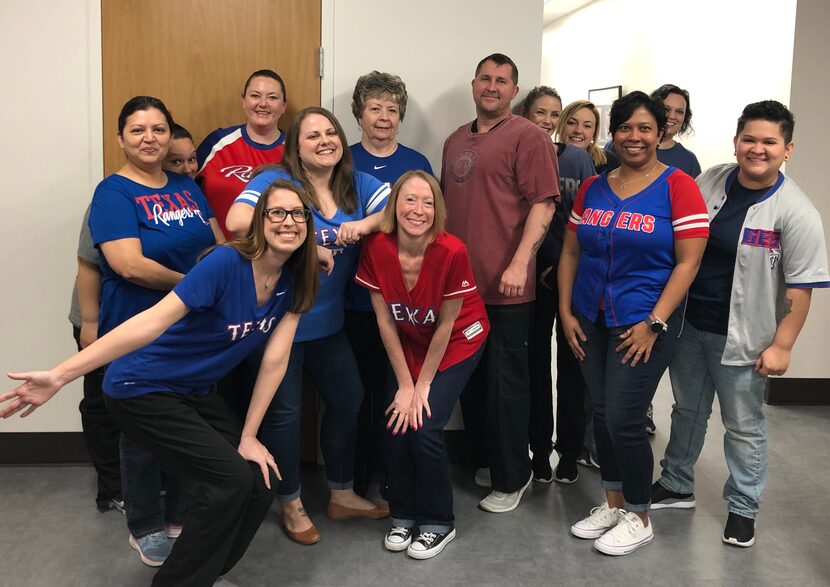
[(656, 325)]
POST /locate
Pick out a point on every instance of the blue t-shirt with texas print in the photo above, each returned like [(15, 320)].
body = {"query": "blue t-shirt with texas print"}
[(171, 224), (224, 325), (327, 315)]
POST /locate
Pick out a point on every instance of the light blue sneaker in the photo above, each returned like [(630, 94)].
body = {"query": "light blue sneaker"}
[(153, 548)]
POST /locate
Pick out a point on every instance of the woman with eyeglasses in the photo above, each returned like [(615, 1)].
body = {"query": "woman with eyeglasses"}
[(165, 361), (347, 206)]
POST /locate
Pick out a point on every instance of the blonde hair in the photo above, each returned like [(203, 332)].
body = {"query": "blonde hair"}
[(389, 222), (595, 151)]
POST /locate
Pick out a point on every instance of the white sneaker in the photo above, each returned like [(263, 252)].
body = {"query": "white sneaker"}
[(498, 502), (599, 521), (627, 536), (483, 477), (398, 538)]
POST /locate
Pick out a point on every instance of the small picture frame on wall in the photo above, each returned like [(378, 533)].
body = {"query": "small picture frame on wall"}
[(602, 98)]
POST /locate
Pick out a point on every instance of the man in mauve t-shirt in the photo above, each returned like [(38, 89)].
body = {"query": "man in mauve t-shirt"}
[(500, 177)]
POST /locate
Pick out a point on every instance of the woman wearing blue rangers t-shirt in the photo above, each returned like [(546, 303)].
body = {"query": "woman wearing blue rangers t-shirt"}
[(346, 205), (162, 394), (150, 226)]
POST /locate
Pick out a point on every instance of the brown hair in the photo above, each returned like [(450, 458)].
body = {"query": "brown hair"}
[(389, 222), (303, 262), (342, 182)]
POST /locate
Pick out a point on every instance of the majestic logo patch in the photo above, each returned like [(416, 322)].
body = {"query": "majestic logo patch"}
[(473, 330)]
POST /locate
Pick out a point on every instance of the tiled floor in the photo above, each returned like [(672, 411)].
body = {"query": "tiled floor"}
[(53, 536)]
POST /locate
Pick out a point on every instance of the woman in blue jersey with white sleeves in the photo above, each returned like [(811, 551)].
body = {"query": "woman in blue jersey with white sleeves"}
[(165, 361), (346, 207), (633, 246)]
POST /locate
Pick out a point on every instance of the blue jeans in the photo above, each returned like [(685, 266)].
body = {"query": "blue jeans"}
[(330, 363), (620, 395), (420, 490), (696, 375), (141, 478)]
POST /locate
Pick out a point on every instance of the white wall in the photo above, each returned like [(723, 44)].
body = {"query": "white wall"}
[(51, 63), (727, 54), (434, 45), (52, 160), (810, 88)]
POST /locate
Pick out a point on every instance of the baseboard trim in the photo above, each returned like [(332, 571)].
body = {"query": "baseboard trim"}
[(43, 448), (797, 391), (68, 448)]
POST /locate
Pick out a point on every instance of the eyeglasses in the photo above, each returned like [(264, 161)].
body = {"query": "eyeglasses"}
[(279, 214)]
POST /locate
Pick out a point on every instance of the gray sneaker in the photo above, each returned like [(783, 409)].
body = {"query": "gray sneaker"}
[(499, 502), (482, 477), (153, 548)]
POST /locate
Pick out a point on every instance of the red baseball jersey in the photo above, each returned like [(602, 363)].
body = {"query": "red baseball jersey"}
[(445, 274)]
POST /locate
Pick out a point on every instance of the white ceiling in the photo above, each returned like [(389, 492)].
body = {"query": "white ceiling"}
[(558, 8)]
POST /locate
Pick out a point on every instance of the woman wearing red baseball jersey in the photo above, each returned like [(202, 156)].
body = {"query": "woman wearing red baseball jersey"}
[(433, 325), (634, 243)]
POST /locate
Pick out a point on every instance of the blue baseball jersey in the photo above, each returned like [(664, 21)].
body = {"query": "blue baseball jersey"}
[(628, 244), (327, 315), (223, 327), (387, 169), (170, 222)]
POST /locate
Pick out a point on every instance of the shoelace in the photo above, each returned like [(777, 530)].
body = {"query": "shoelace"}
[(626, 524), (427, 538), (156, 538), (399, 531)]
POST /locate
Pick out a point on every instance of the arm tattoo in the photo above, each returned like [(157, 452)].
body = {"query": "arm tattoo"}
[(538, 243), (788, 307)]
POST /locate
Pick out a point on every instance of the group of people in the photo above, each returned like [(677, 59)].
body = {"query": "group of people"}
[(202, 303)]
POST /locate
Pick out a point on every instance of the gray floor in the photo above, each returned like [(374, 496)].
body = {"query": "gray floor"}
[(52, 534)]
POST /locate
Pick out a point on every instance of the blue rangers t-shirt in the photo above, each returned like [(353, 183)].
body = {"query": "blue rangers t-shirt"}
[(171, 223), (224, 326), (327, 315)]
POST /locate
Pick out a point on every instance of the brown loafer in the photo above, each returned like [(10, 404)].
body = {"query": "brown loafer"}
[(306, 537), (336, 511)]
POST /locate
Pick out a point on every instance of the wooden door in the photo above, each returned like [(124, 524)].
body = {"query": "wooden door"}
[(196, 55)]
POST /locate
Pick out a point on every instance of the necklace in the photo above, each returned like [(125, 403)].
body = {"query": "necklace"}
[(273, 280), (625, 184)]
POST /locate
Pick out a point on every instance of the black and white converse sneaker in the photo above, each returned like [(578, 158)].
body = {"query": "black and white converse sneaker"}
[(429, 544), (398, 538), (739, 530)]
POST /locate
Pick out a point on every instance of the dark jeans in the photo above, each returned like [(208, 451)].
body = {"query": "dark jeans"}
[(496, 401), (143, 480), (570, 386), (620, 395), (197, 437), (101, 435), (237, 386), (420, 490), (373, 366), (331, 365)]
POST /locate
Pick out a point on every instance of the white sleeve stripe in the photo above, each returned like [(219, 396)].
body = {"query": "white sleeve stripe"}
[(576, 218), (248, 197), (377, 198), (366, 283), (225, 141), (460, 291), (690, 218), (690, 226)]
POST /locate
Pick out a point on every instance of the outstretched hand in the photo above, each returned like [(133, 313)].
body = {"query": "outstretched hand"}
[(39, 387)]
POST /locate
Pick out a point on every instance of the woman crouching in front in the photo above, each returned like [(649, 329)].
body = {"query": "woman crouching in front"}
[(433, 325)]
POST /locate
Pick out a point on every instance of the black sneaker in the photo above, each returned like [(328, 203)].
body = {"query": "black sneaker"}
[(651, 427), (586, 459), (106, 505), (739, 530), (398, 538), (662, 498), (566, 470), (542, 473), (429, 544)]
